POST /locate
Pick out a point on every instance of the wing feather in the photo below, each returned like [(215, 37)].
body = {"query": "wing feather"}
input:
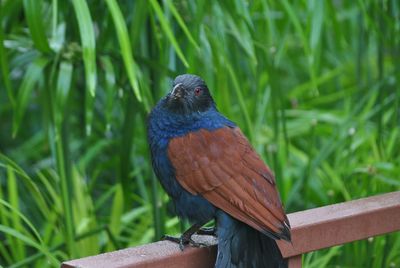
[(222, 166)]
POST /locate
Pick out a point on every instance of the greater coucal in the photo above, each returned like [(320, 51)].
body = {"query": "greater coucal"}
[(210, 170)]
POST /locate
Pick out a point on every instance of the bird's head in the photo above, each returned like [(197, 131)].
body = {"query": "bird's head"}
[(189, 94)]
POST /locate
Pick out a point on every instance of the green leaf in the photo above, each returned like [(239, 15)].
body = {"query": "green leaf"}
[(316, 22), (242, 35), (181, 23), (30, 185), (62, 89), (124, 43), (110, 88), (117, 211), (5, 69), (294, 17), (243, 106), (19, 249), (27, 240), (16, 211), (34, 17), (88, 43), (168, 31), (32, 76)]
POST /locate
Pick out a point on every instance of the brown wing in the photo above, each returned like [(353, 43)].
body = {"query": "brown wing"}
[(222, 166)]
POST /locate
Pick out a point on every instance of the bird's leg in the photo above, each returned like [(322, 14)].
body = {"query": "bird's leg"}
[(186, 237)]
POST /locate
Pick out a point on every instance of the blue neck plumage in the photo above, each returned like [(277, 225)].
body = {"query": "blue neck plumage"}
[(171, 124)]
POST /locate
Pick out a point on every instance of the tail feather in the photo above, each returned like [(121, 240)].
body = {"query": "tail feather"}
[(240, 246)]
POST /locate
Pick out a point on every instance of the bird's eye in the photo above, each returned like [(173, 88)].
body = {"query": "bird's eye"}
[(198, 91)]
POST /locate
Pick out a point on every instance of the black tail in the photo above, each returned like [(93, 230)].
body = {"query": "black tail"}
[(240, 246)]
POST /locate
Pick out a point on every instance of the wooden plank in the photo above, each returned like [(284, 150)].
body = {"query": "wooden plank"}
[(295, 262), (341, 223), (311, 230), (162, 254)]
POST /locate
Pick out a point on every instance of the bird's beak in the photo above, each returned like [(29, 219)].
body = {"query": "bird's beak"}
[(177, 91)]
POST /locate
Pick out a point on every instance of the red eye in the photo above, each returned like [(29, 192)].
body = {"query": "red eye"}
[(197, 91)]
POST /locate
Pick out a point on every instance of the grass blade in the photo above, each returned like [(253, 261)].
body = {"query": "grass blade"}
[(27, 240), (5, 69), (34, 17), (66, 186), (182, 24), (89, 58), (242, 102), (110, 88), (88, 43), (117, 211), (32, 76), (297, 25), (17, 246), (17, 212), (62, 90), (168, 31), (316, 23), (126, 50)]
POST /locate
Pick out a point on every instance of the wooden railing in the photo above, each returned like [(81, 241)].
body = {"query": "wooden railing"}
[(312, 230)]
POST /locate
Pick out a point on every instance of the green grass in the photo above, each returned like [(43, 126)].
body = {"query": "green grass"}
[(315, 85)]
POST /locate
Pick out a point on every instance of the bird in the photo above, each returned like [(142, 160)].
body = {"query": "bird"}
[(211, 172)]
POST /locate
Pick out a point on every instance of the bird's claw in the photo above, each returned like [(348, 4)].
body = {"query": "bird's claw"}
[(171, 238), (183, 240), (207, 231)]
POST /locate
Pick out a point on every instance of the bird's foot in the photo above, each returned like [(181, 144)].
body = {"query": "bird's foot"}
[(186, 237), (184, 240), (207, 231)]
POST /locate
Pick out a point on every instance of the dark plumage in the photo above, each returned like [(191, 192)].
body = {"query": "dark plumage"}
[(210, 171)]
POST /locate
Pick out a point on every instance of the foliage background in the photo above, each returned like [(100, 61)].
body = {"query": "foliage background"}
[(313, 84)]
